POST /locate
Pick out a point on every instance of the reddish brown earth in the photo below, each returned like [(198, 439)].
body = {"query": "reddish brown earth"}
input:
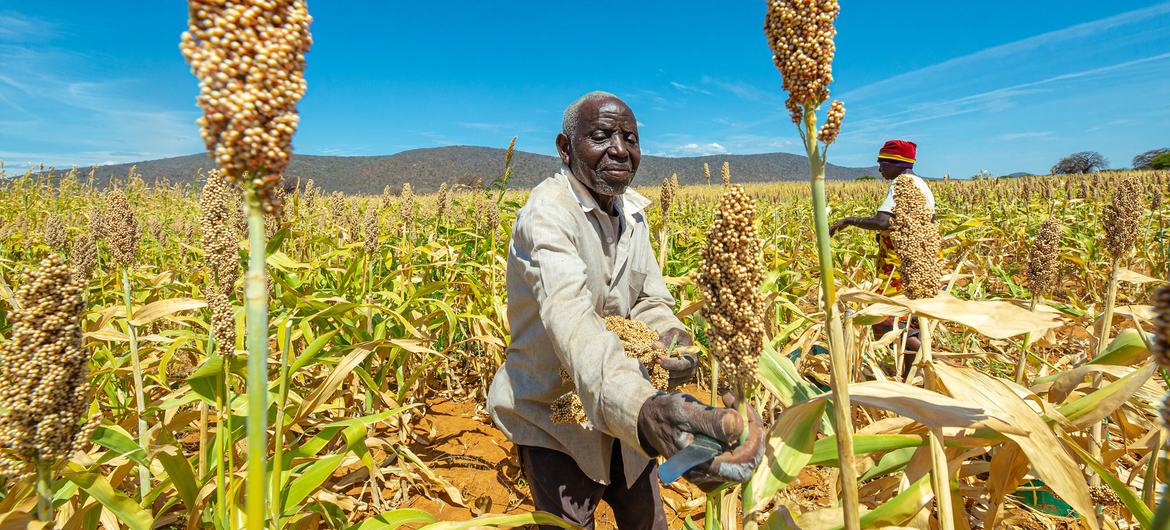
[(470, 453)]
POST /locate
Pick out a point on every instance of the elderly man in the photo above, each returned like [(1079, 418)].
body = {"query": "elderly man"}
[(895, 158), (580, 250)]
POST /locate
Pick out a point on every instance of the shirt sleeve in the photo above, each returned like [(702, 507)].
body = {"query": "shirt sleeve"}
[(610, 384), (655, 305), (887, 204)]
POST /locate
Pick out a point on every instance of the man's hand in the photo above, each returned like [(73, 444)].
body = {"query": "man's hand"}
[(681, 369), (669, 422), (838, 226)]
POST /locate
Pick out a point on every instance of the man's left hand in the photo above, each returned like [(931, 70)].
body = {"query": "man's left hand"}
[(838, 226), (681, 369)]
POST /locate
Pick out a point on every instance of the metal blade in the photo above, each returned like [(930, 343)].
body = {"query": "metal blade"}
[(702, 450)]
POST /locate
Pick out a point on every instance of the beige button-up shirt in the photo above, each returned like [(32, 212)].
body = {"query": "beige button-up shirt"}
[(567, 269)]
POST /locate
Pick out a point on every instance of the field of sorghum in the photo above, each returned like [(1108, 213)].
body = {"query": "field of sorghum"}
[(381, 305), (189, 356)]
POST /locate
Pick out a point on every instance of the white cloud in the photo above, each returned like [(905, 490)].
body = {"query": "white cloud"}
[(71, 119), (1030, 135), (697, 149), (20, 28), (739, 89), (1075, 33), (689, 88)]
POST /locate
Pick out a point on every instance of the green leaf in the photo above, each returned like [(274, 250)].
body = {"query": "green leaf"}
[(118, 440), (1127, 349), (308, 481), (790, 446), (207, 380), (128, 512), (890, 462), (393, 519), (311, 352), (900, 508), (780, 377), (180, 472), (1104, 401), (501, 520), (825, 450), (1136, 507)]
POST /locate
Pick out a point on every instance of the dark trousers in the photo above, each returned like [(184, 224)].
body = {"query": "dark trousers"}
[(560, 488)]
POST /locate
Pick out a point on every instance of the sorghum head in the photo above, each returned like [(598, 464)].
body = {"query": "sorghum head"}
[(44, 382), (730, 276), (916, 240), (1042, 257), (249, 57), (121, 228)]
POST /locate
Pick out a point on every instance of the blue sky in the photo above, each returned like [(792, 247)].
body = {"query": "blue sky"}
[(1003, 86)]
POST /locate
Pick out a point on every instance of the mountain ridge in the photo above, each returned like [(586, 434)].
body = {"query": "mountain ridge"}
[(427, 168)]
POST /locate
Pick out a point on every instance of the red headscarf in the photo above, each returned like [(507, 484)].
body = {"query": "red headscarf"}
[(898, 152)]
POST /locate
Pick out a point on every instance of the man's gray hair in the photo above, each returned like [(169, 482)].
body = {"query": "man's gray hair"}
[(573, 111)]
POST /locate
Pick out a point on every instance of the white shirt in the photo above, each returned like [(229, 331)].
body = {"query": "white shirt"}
[(569, 265), (888, 204)]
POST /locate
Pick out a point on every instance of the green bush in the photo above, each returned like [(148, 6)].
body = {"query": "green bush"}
[(1161, 161)]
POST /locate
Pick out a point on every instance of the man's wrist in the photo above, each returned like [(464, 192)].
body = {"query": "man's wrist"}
[(642, 440)]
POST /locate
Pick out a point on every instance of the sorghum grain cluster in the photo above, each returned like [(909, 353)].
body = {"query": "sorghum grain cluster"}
[(1122, 218), (44, 381), (800, 33), (832, 126), (121, 228), (730, 276), (221, 243), (916, 240), (638, 342), (1042, 257), (249, 57)]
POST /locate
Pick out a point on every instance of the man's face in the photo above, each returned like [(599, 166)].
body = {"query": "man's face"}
[(889, 171), (603, 152)]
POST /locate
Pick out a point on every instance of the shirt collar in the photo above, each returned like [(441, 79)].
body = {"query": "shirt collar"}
[(630, 203)]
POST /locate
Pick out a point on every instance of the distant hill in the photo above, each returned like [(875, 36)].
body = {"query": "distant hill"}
[(425, 169)]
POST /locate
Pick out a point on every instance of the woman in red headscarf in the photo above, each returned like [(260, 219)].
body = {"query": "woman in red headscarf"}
[(896, 158)]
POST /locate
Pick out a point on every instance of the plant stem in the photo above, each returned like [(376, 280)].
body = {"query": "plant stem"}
[(278, 433), (139, 395), (205, 413), (1162, 514), (941, 478), (715, 498), (44, 489), (663, 243), (256, 296), (1097, 434), (839, 378), (1020, 368)]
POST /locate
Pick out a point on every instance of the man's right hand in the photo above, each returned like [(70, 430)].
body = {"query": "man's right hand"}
[(669, 422)]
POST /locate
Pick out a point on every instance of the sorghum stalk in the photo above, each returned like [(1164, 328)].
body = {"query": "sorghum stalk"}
[(839, 366), (801, 37), (139, 394), (250, 62), (665, 200), (730, 276), (44, 381), (1121, 222), (256, 310), (278, 433), (917, 243), (122, 235)]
